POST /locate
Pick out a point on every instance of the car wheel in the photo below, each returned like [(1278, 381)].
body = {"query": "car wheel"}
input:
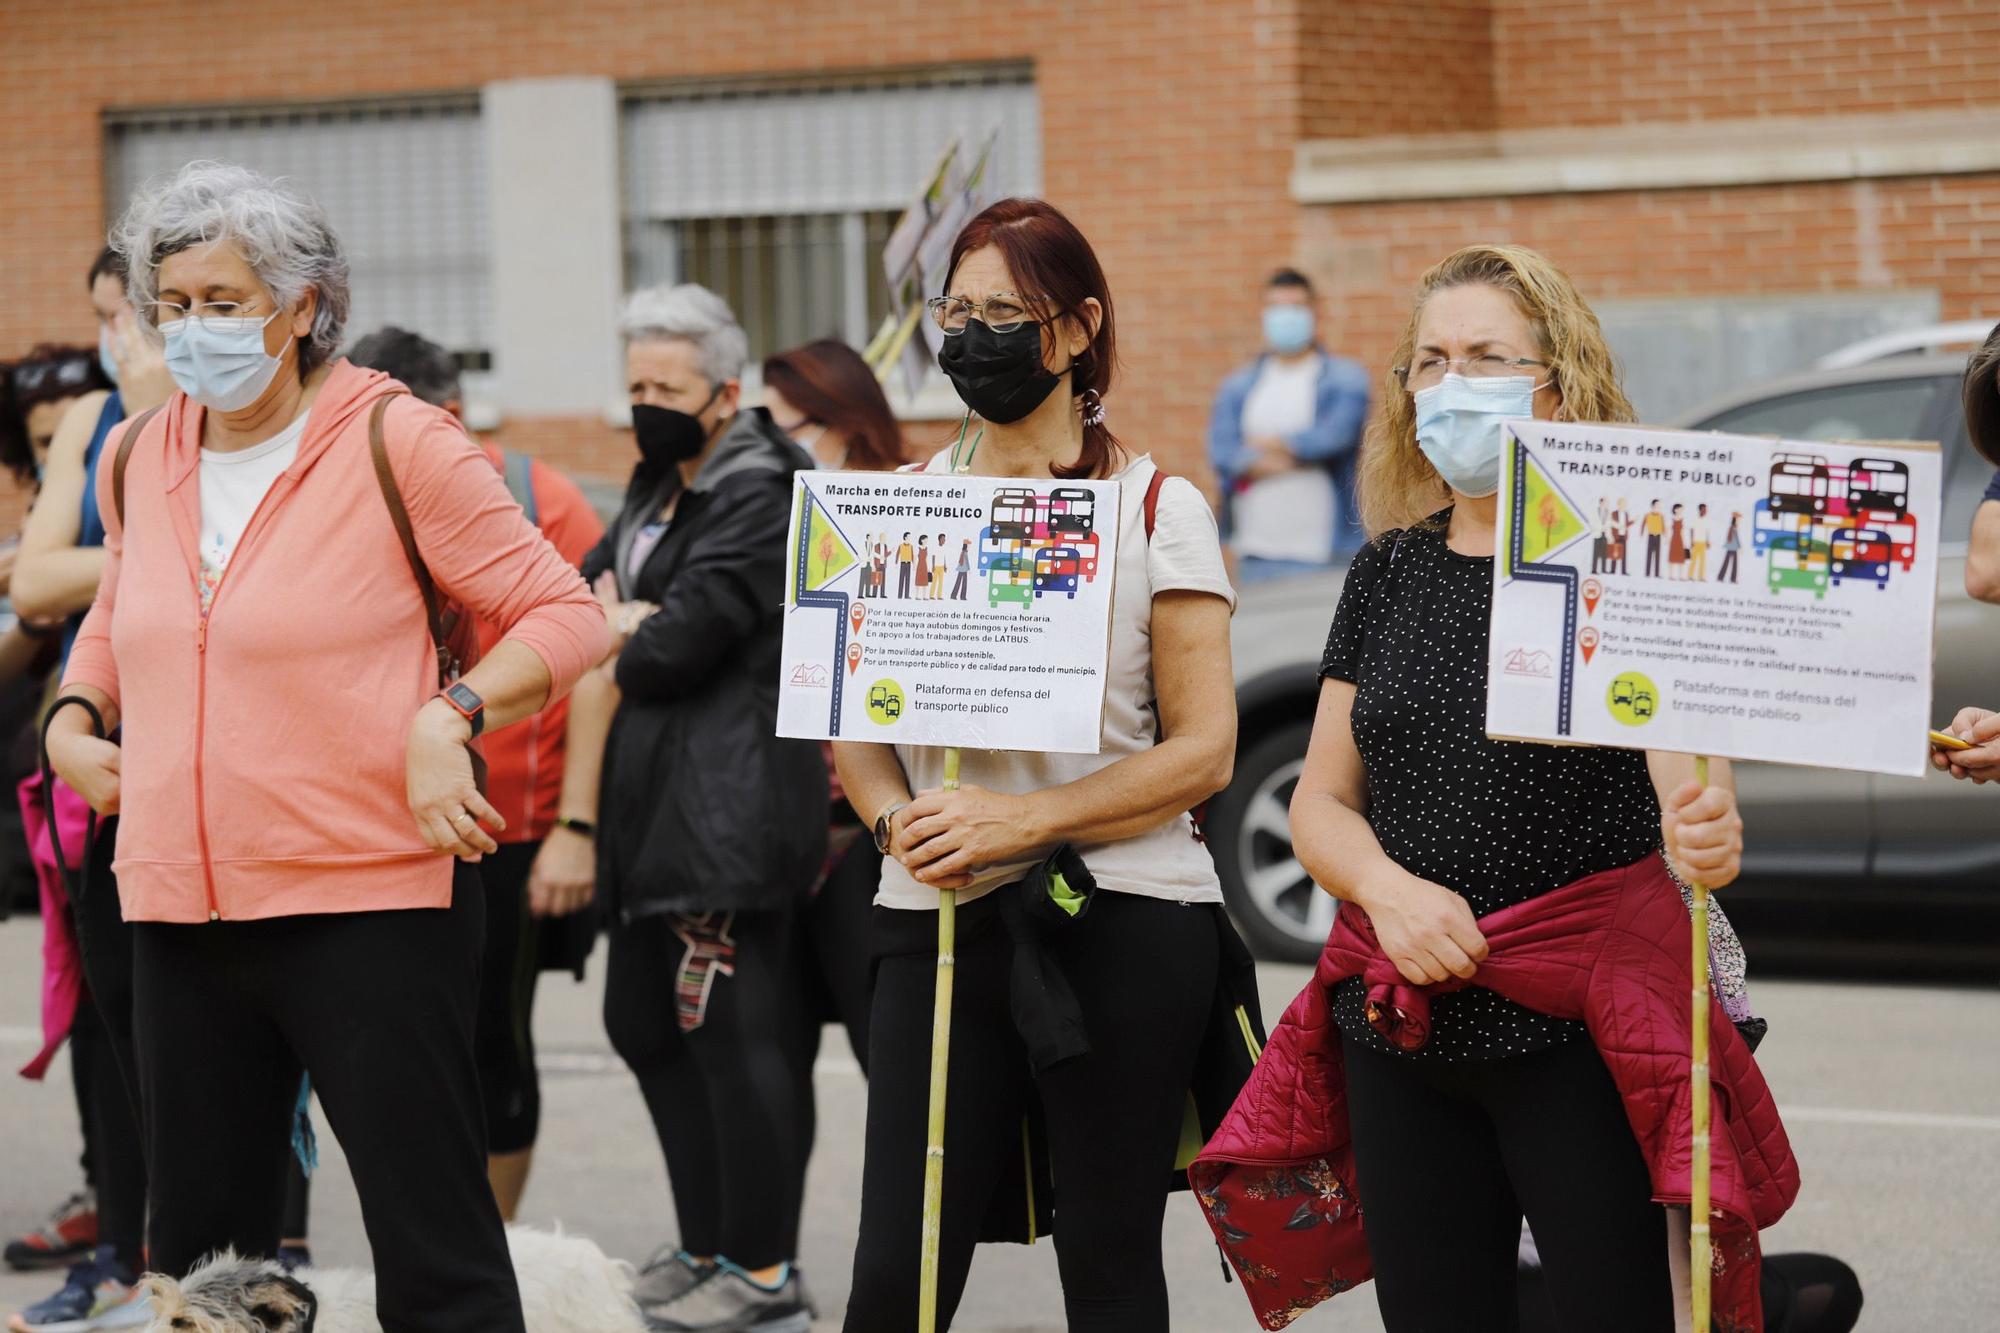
[(1282, 914)]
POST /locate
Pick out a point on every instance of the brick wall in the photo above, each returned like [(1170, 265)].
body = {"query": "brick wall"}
[(1162, 136), (1934, 233), (1595, 62), (1396, 67)]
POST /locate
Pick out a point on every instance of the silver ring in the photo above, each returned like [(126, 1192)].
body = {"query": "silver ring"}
[(465, 816)]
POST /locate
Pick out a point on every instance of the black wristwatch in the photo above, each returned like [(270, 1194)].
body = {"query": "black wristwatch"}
[(885, 827), (467, 703), (575, 825)]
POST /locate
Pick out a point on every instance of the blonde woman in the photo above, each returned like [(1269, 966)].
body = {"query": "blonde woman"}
[(1408, 812)]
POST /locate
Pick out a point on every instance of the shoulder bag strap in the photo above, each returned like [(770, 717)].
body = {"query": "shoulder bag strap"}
[(1153, 500), (124, 456), (399, 515)]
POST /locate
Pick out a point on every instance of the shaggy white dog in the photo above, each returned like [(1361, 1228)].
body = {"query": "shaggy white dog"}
[(568, 1285)]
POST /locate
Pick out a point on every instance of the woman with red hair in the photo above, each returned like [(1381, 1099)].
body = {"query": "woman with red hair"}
[(1029, 345)]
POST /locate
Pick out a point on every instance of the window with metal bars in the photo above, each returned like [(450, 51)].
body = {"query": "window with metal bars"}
[(403, 182), (780, 195)]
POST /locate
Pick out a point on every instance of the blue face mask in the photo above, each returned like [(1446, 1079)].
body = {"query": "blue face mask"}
[(221, 363), (1458, 427), (1288, 328), (105, 359)]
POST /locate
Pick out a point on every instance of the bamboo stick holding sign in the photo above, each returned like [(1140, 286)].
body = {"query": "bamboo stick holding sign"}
[(947, 963), (1701, 1250), (1715, 595)]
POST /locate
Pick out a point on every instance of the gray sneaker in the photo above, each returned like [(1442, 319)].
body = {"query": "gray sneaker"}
[(669, 1275), (729, 1302)]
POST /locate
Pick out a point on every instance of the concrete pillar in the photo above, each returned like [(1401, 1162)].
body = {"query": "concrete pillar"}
[(552, 167)]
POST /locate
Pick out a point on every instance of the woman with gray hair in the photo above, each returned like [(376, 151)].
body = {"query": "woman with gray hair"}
[(711, 830), (295, 767)]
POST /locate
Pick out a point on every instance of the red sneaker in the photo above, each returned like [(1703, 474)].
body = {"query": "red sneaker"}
[(70, 1232)]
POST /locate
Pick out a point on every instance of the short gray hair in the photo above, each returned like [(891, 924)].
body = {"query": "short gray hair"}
[(694, 314), (281, 233)]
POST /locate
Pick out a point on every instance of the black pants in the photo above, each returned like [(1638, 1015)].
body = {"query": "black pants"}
[(379, 1008), (1652, 556), (505, 1040), (102, 1047), (1447, 1158), (1727, 574), (1144, 973), (724, 1095)]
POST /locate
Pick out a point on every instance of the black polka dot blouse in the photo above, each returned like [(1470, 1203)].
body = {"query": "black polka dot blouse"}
[(1496, 821)]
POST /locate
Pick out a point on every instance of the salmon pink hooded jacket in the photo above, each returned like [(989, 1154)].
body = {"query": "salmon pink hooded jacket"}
[(262, 772)]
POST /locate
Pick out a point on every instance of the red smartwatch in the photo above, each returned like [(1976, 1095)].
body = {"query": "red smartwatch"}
[(467, 704)]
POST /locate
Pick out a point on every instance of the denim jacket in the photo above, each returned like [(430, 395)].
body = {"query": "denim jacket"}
[(1333, 441)]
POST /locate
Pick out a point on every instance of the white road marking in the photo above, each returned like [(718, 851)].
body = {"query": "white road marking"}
[(1841, 1115)]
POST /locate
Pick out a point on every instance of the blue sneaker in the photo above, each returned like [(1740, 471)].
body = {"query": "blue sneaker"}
[(99, 1294)]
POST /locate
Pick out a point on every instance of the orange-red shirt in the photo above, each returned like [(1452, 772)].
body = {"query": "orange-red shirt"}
[(524, 762)]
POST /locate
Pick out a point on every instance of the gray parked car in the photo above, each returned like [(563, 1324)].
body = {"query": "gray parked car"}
[(1841, 869)]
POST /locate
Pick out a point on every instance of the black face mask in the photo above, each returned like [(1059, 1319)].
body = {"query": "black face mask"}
[(998, 375), (667, 435)]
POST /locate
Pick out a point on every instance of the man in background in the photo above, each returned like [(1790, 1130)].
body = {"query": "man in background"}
[(1283, 439)]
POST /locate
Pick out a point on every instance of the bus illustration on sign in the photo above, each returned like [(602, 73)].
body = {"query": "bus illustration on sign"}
[(992, 548), (1764, 526), (885, 701), (1797, 561), (1011, 579), (1800, 484), (1057, 569), (1072, 512), (1015, 514), (1902, 539), (1878, 486), (1860, 554)]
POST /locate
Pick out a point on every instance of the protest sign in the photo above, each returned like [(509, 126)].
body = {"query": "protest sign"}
[(934, 609), (1736, 596)]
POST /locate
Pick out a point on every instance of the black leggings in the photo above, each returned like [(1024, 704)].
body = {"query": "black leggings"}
[(379, 1008), (1144, 974), (725, 1095), (1448, 1157), (505, 1042), (102, 1048)]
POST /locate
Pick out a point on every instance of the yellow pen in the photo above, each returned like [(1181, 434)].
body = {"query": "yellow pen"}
[(1944, 740)]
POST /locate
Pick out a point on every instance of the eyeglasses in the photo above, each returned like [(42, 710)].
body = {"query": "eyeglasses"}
[(213, 315), (1429, 371), (68, 373), (1002, 312)]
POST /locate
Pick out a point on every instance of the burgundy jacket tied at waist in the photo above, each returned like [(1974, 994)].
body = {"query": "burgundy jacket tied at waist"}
[(1277, 1179)]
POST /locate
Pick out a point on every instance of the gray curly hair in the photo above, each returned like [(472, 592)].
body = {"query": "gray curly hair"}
[(280, 232), (695, 314)]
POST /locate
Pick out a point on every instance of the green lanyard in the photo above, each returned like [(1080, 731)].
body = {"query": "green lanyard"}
[(962, 465)]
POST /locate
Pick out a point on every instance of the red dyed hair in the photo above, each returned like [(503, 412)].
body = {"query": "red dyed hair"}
[(829, 382), (1050, 258)]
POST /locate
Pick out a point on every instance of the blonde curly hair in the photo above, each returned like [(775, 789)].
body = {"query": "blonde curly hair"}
[(1398, 486)]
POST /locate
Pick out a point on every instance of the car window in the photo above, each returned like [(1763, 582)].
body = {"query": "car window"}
[(1881, 410)]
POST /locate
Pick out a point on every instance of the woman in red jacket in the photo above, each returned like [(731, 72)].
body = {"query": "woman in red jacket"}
[(1408, 811)]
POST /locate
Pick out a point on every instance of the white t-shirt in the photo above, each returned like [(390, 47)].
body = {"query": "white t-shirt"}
[(1184, 555), (1290, 516), (232, 486)]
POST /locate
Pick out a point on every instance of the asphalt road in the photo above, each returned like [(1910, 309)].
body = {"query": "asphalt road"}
[(1891, 1095)]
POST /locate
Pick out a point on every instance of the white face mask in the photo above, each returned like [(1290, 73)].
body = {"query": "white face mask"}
[(221, 363)]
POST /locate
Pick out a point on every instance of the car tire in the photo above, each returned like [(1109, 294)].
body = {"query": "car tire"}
[(1281, 914)]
